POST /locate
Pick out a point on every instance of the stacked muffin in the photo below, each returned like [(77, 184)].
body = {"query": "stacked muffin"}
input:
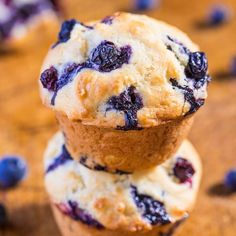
[(124, 90)]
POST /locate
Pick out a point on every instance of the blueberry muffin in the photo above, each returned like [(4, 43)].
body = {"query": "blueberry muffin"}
[(124, 73), (95, 202), (23, 19)]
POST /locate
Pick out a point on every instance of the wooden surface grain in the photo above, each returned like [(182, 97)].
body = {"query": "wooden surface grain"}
[(25, 125)]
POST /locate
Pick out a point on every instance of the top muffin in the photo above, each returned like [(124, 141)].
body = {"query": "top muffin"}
[(126, 71)]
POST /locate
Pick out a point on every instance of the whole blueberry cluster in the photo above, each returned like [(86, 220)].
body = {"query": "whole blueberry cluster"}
[(152, 210)]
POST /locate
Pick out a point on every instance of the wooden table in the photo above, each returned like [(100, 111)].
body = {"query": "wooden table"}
[(25, 125)]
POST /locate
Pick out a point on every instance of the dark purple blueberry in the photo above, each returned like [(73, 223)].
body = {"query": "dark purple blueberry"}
[(195, 104), (3, 216), (12, 170), (49, 79), (108, 20), (60, 160), (230, 179), (183, 49), (129, 102), (197, 65), (66, 28), (183, 170), (218, 15), (76, 213), (107, 56), (152, 210)]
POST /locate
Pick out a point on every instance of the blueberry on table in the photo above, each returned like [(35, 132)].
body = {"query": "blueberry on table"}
[(144, 4), (12, 171), (3, 215), (230, 179), (218, 14)]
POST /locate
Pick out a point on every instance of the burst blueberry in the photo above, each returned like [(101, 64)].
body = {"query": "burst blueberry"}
[(188, 93), (197, 65), (49, 79), (66, 28), (183, 170), (60, 160), (108, 20), (12, 171), (230, 179), (107, 56), (74, 211), (129, 102), (152, 210)]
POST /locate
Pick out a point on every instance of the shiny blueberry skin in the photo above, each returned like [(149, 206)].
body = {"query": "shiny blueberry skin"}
[(107, 57), (129, 102), (60, 160), (197, 65), (230, 179), (3, 215), (153, 211), (183, 170), (49, 79), (12, 171)]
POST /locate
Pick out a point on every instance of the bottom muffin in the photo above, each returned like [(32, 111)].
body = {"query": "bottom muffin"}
[(95, 202)]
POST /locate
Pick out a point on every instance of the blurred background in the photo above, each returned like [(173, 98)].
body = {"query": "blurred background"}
[(25, 125)]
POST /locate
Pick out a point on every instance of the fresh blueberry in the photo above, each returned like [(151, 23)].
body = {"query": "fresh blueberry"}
[(49, 79), (60, 160), (75, 212), (3, 215), (183, 170), (107, 56), (218, 14), (142, 5), (197, 65), (129, 102), (108, 20), (152, 210), (12, 171), (195, 104), (230, 179)]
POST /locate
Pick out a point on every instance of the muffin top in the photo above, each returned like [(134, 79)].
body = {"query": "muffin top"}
[(16, 16), (126, 71), (131, 202)]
